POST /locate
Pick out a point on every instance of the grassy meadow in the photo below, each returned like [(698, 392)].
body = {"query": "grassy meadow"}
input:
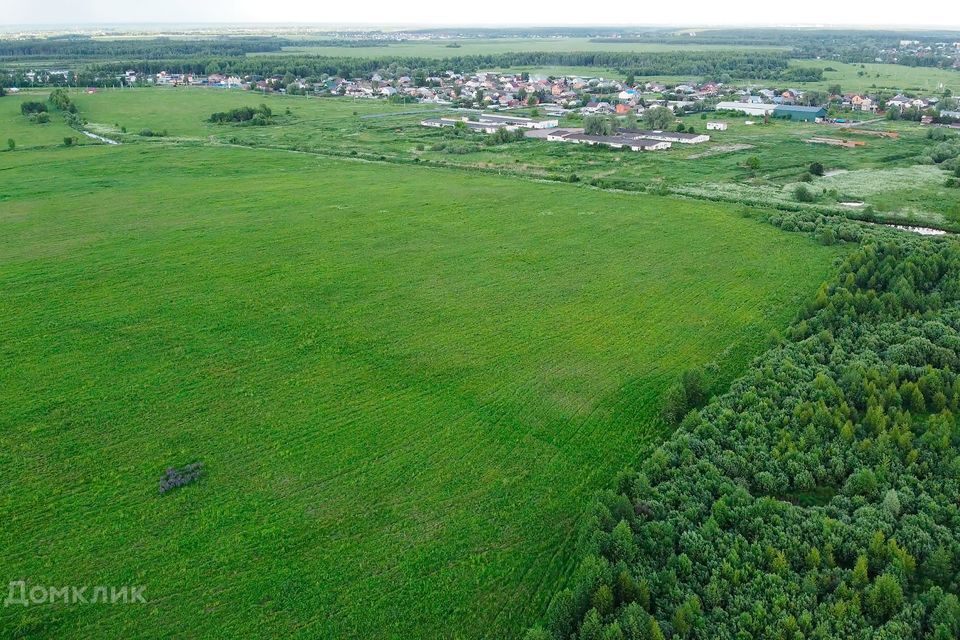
[(14, 125), (404, 382), (377, 130), (879, 77), (445, 48)]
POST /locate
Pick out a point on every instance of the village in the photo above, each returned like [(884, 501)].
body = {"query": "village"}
[(560, 95), (592, 110), (556, 96)]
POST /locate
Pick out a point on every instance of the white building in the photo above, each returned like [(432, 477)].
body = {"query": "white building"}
[(615, 142), (512, 121), (667, 136), (716, 126), (751, 109)]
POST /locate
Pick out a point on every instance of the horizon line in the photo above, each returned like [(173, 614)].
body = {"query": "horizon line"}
[(373, 26)]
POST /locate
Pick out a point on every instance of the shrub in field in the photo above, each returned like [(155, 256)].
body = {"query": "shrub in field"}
[(802, 194), (503, 136), (945, 151), (174, 478), (937, 134), (61, 101), (40, 118), (597, 126), (68, 141), (816, 168), (27, 108), (11, 144), (259, 116)]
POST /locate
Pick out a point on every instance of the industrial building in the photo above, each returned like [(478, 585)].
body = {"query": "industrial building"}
[(749, 108), (804, 114), (618, 141), (489, 122), (666, 136)]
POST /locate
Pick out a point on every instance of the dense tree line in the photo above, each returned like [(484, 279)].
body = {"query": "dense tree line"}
[(140, 48), (818, 498), (770, 65)]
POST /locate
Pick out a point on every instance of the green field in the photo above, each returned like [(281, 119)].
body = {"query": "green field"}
[(470, 47), (405, 383), (891, 77), (378, 130), (26, 134)]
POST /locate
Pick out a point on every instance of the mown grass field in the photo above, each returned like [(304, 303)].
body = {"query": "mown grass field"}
[(376, 129), (442, 48), (404, 382), (876, 77), (25, 134)]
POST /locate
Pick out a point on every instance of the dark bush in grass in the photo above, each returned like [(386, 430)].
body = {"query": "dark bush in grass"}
[(174, 478), (802, 194), (816, 168), (40, 118), (61, 101), (260, 115), (503, 136), (27, 108)]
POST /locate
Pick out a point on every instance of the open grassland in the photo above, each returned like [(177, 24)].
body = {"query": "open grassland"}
[(403, 382), (879, 77), (444, 48), (183, 112), (15, 125), (378, 130)]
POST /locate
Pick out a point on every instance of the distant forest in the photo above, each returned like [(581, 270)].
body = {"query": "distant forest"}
[(99, 61), (769, 65)]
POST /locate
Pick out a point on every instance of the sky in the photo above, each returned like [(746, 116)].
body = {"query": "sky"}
[(940, 14)]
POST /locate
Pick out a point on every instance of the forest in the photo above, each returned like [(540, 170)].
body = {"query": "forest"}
[(766, 64), (147, 48), (817, 498)]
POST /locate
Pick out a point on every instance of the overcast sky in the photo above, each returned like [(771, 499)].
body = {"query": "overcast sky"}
[(930, 13)]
